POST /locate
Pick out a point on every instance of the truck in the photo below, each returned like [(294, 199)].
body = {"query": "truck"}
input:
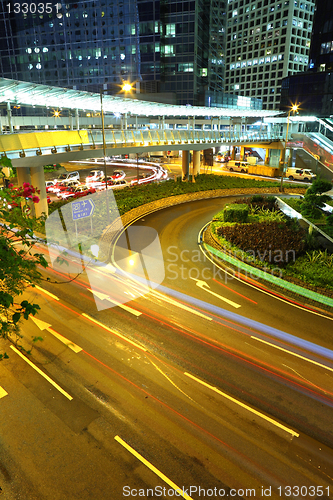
[(300, 174), (237, 166)]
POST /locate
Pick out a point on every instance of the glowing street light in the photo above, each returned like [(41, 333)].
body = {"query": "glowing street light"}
[(126, 87), (293, 109)]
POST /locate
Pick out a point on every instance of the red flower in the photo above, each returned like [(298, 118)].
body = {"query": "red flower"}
[(35, 199)]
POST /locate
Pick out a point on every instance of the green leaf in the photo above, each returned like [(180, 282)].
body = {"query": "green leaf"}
[(16, 317)]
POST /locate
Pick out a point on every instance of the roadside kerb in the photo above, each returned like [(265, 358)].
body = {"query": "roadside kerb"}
[(254, 271), (109, 235)]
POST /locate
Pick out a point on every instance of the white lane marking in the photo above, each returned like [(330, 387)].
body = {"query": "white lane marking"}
[(202, 284), (179, 491), (243, 405), (114, 332), (293, 353), (103, 296), (47, 293), (3, 393), (42, 325), (42, 373)]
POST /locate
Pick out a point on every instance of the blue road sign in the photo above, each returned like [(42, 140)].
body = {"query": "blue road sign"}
[(82, 209)]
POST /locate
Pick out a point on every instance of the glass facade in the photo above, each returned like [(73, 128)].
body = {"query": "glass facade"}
[(267, 40), (159, 46), (313, 90)]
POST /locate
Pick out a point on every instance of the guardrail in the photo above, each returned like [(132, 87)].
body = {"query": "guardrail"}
[(52, 142)]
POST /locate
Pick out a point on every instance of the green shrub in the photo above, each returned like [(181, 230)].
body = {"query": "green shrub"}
[(272, 242), (236, 213)]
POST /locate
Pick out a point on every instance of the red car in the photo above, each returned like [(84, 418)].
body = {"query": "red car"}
[(76, 192), (83, 191)]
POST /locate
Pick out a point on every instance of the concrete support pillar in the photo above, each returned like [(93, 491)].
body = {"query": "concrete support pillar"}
[(9, 115), (23, 175), (188, 123), (1, 131), (233, 152), (163, 122), (71, 121), (242, 153), (196, 163), (136, 122), (267, 156), (38, 181), (77, 120), (185, 164), (125, 121)]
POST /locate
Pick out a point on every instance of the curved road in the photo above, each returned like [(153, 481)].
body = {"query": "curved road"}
[(191, 385)]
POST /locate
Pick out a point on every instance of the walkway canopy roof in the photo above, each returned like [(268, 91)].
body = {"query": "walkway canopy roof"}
[(33, 94)]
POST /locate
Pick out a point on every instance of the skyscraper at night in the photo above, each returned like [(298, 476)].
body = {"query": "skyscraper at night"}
[(196, 52), (314, 89), (162, 46), (266, 40)]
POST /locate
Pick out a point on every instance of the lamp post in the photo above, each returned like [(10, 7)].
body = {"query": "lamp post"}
[(293, 109), (104, 153)]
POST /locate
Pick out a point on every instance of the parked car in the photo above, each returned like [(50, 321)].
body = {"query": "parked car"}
[(118, 174), (300, 174), (64, 186), (119, 183), (49, 184), (68, 176), (95, 175), (83, 191), (68, 193)]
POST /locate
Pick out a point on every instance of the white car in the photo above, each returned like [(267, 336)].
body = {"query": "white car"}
[(119, 183), (95, 175), (69, 176)]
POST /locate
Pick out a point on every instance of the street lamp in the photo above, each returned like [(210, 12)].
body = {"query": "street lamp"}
[(126, 87), (104, 153), (293, 109)]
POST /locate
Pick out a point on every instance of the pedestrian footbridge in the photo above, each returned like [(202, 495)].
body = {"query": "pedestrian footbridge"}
[(42, 125)]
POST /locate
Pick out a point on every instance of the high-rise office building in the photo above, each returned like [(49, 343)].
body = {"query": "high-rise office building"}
[(196, 52), (313, 90), (266, 40), (166, 46)]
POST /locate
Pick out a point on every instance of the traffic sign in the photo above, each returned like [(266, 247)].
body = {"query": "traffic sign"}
[(82, 209)]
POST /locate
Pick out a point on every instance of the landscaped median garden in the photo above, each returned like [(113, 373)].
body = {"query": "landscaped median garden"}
[(256, 232), (135, 196)]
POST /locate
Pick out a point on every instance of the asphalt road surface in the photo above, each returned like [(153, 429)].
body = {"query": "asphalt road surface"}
[(202, 382)]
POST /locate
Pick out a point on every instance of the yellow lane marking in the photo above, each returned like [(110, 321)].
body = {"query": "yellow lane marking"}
[(3, 393), (169, 379), (293, 353), (42, 373), (47, 293), (262, 415), (160, 474), (114, 332)]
